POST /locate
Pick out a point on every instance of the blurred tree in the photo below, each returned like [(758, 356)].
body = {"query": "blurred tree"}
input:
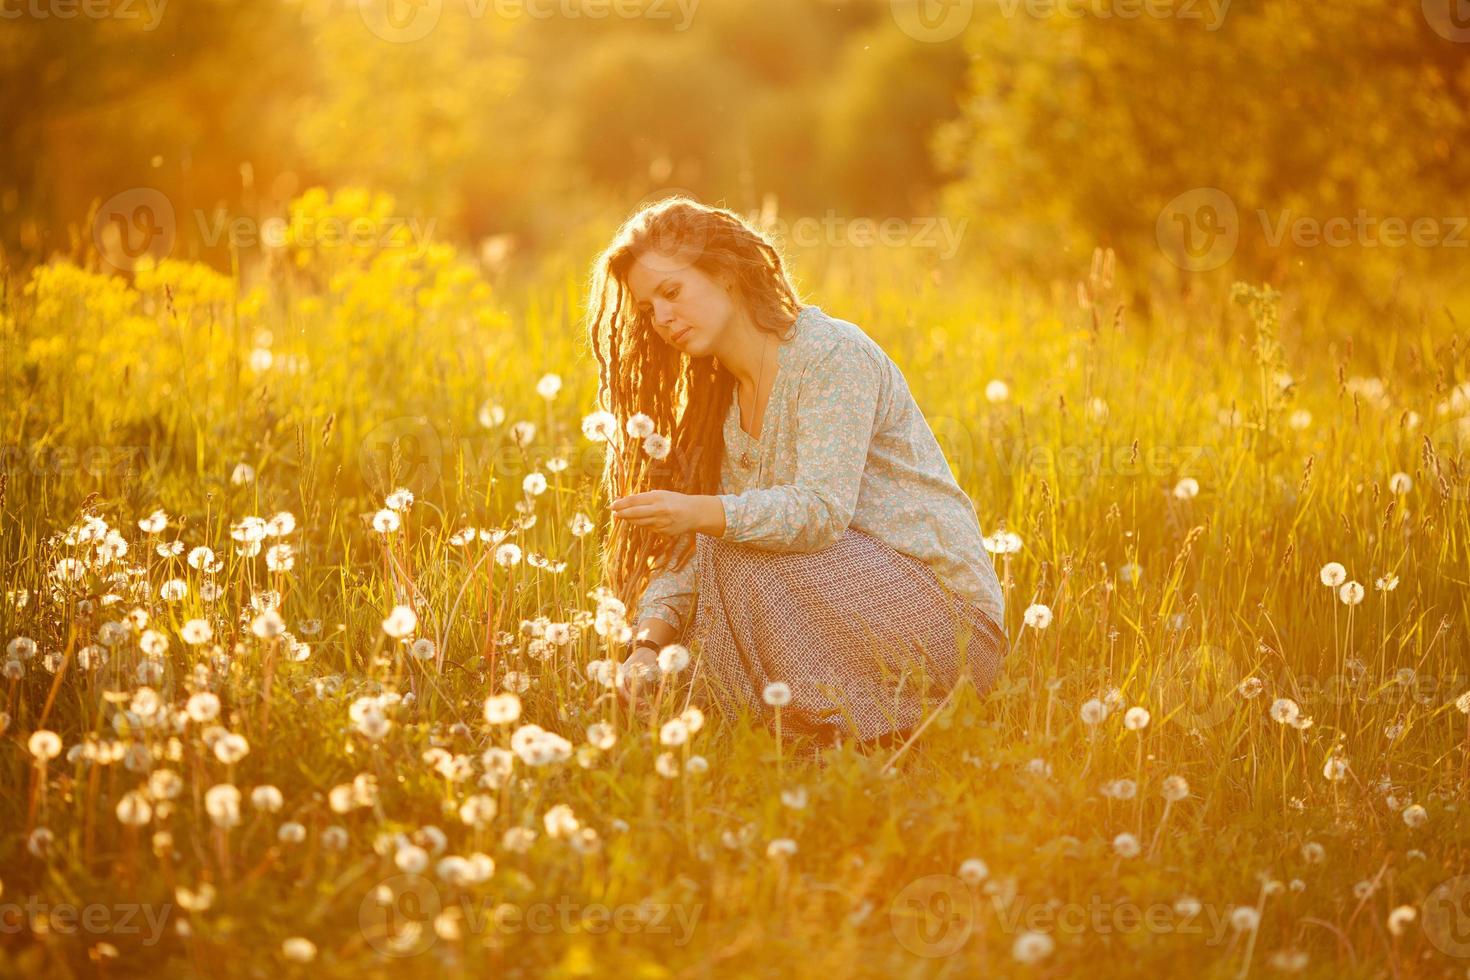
[(1082, 130), (887, 98)]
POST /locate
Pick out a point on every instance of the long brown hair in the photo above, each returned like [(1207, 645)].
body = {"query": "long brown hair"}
[(687, 398)]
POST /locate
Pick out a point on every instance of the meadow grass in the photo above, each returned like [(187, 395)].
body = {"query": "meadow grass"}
[(247, 775)]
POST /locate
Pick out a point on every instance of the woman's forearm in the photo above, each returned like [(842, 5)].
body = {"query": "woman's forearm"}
[(660, 634), (712, 516)]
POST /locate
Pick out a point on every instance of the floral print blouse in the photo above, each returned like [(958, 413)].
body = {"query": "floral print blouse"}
[(842, 444)]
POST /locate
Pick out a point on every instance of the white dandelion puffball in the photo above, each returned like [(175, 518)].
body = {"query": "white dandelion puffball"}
[(230, 748), (601, 735), (268, 625), (502, 709), (1351, 593), (673, 658), (1175, 788), (1244, 918), (1037, 616), (777, 694), (640, 425), (1136, 718), (657, 446), (479, 810), (44, 744), (267, 799), (1313, 853), (1285, 711), (560, 821), (1400, 483), (399, 500), (202, 707), (1126, 845), (1333, 574), (134, 810), (674, 732), (400, 622), (1399, 919), (1187, 488), (1002, 543), (1032, 947), (997, 390), (411, 859), (1093, 711), (1335, 768), (781, 847), (1415, 815), (386, 521), (600, 426), (298, 949), (548, 386), (223, 805), (973, 871), (490, 415)]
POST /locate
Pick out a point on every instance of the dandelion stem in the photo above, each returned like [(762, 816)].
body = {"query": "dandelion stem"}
[(1163, 819)]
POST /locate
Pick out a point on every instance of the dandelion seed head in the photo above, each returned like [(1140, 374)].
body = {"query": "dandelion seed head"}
[(1031, 947), (1037, 616)]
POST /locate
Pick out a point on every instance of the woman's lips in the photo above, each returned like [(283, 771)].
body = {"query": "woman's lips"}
[(679, 334)]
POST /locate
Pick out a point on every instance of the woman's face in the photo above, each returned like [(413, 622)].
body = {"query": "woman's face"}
[(689, 309)]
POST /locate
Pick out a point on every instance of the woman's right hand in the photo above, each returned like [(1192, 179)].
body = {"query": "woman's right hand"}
[(643, 660)]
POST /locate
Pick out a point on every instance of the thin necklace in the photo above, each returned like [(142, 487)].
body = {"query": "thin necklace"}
[(754, 403)]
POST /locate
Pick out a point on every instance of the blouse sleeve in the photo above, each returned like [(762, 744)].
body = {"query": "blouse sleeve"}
[(669, 596), (836, 408)]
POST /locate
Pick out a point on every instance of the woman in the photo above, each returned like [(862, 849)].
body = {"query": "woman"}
[(800, 509)]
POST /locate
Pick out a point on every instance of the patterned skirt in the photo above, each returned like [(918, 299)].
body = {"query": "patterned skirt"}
[(866, 637)]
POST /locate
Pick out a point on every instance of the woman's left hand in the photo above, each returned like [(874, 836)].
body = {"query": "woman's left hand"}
[(665, 511)]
